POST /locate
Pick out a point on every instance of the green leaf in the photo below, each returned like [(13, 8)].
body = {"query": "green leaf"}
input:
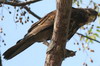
[(98, 30), (91, 41), (98, 26), (99, 14), (96, 35), (93, 37), (89, 31), (86, 40)]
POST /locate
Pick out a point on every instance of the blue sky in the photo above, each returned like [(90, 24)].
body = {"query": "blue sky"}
[(35, 55)]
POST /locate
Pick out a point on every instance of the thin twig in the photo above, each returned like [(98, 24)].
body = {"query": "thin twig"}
[(19, 3), (32, 13), (23, 6), (88, 37)]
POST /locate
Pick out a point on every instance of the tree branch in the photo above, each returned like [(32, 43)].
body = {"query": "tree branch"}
[(30, 12), (23, 6), (88, 37), (19, 3), (69, 53), (56, 50)]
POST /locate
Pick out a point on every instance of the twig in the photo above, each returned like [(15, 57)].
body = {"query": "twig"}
[(88, 37), (23, 6), (32, 13), (19, 3)]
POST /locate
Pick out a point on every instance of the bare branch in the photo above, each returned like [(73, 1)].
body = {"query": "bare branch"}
[(69, 53), (88, 37), (23, 6), (32, 13), (19, 3)]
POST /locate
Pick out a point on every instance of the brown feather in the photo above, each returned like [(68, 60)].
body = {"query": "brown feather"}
[(43, 29)]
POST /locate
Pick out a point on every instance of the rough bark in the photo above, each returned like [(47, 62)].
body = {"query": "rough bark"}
[(56, 50)]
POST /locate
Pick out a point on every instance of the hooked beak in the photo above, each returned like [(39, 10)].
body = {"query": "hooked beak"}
[(96, 14), (95, 18)]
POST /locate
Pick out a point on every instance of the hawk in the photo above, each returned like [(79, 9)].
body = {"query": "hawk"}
[(42, 30)]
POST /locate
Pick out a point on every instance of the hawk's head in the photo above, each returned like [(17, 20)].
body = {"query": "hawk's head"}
[(84, 16), (92, 14)]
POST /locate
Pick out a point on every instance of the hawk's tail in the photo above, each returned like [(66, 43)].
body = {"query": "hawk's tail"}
[(20, 46)]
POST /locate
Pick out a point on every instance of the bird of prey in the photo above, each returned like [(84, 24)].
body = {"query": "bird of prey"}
[(42, 30)]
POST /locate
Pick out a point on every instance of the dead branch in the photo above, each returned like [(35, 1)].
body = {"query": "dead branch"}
[(19, 3), (30, 12), (69, 53)]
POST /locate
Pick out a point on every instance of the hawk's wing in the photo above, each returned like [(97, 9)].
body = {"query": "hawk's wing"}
[(44, 23), (37, 32), (43, 29)]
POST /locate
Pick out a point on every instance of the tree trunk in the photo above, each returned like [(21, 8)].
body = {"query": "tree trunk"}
[(56, 50)]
